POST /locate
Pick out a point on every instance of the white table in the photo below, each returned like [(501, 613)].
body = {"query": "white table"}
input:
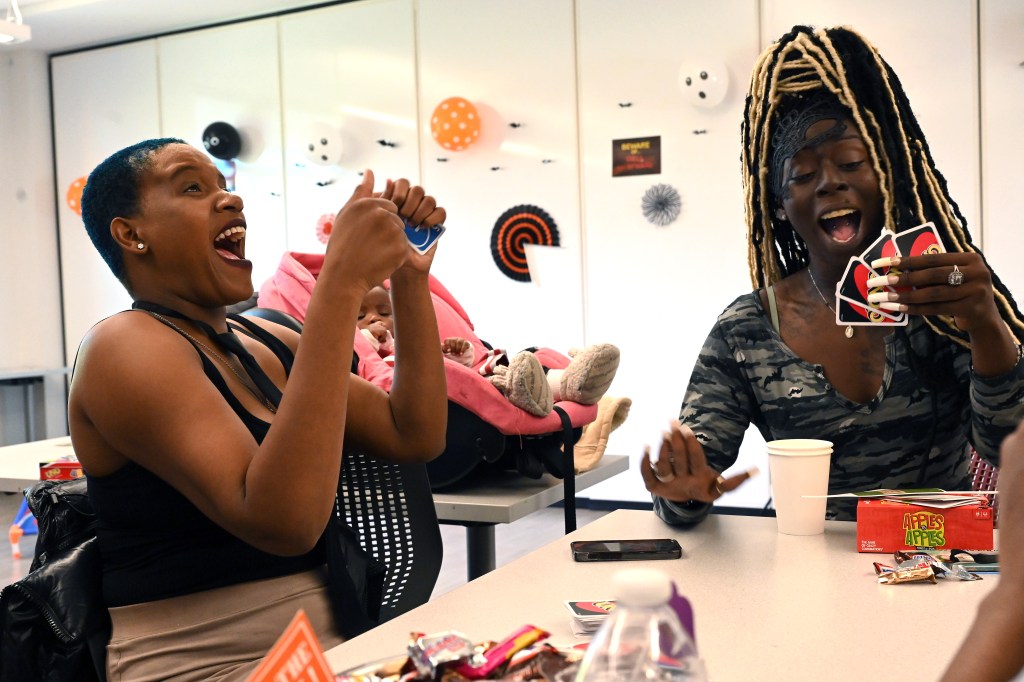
[(19, 464), (28, 378), (766, 606), (482, 501)]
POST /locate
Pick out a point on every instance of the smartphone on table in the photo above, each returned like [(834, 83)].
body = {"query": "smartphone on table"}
[(625, 550)]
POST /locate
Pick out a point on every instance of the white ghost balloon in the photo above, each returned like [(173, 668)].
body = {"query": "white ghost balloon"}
[(322, 145), (705, 82)]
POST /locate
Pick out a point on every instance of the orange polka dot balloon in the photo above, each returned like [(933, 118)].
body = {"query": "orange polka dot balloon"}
[(74, 195), (455, 124)]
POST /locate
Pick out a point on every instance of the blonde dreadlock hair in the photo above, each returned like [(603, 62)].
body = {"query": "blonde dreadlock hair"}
[(805, 62)]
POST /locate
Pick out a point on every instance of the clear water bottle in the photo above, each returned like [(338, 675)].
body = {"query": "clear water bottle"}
[(642, 638)]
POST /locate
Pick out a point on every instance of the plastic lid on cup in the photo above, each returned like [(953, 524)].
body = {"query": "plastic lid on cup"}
[(798, 446)]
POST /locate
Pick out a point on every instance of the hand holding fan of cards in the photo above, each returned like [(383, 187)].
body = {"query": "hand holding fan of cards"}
[(852, 290)]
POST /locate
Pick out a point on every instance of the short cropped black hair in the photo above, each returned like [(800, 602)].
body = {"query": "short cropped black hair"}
[(112, 191)]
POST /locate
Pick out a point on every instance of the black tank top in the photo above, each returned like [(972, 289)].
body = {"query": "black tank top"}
[(156, 544)]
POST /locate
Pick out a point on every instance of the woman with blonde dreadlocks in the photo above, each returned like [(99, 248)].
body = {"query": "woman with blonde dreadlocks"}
[(832, 153)]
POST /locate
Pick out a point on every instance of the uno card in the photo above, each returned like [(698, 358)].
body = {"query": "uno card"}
[(591, 609), (854, 283), (849, 311), (852, 292), (919, 240), (422, 238), (883, 247)]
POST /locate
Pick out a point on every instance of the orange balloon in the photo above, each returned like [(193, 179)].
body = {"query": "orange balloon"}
[(455, 124), (74, 195)]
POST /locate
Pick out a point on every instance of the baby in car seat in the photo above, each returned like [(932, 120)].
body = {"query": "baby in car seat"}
[(522, 378)]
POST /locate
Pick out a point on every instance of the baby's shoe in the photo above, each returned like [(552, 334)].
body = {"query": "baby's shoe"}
[(525, 385), (589, 374)]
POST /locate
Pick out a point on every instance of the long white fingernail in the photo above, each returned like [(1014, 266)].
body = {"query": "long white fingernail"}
[(898, 307), (882, 280), (886, 262), (880, 296)]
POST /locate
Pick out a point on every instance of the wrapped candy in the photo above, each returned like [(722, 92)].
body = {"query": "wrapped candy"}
[(430, 652), (502, 652)]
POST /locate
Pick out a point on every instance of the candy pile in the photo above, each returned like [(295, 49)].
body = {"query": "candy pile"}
[(917, 567), (451, 657)]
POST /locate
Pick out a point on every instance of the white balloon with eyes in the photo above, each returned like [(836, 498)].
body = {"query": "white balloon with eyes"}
[(322, 145), (705, 82)]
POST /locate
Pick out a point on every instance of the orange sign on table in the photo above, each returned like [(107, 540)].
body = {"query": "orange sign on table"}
[(295, 657)]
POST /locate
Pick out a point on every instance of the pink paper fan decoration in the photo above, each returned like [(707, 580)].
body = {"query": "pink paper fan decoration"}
[(324, 227)]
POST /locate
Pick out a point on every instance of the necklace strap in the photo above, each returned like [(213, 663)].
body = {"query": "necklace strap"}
[(230, 341), (814, 282), (849, 328)]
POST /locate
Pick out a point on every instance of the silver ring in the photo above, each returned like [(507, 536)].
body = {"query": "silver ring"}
[(956, 278), (662, 479)]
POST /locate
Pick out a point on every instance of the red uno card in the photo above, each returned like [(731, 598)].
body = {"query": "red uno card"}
[(854, 283), (852, 292), (588, 609), (919, 240), (883, 247), (853, 312)]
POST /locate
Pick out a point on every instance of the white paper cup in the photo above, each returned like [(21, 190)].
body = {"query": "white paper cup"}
[(799, 467)]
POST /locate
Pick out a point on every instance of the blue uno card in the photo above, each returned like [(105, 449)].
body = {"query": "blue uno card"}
[(422, 238)]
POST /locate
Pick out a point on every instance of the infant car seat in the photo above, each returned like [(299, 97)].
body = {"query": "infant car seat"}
[(483, 426)]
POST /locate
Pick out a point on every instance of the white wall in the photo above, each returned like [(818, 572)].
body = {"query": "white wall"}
[(656, 291), (30, 304), (230, 74), (1002, 112), (653, 291), (352, 71), (103, 100), (514, 60)]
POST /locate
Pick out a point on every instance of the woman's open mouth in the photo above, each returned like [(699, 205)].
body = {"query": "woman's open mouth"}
[(841, 225), (229, 244)]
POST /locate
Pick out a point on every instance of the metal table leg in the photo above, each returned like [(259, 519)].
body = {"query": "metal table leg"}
[(28, 395), (480, 553)]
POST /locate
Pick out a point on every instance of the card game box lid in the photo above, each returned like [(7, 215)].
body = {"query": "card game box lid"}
[(887, 525), (64, 468)]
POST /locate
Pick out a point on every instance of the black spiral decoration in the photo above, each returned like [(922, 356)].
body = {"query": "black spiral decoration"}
[(661, 204), (518, 226)]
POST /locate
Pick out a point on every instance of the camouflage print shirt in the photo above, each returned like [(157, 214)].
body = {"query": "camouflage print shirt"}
[(909, 435)]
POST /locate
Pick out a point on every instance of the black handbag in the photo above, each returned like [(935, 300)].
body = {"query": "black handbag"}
[(53, 623)]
